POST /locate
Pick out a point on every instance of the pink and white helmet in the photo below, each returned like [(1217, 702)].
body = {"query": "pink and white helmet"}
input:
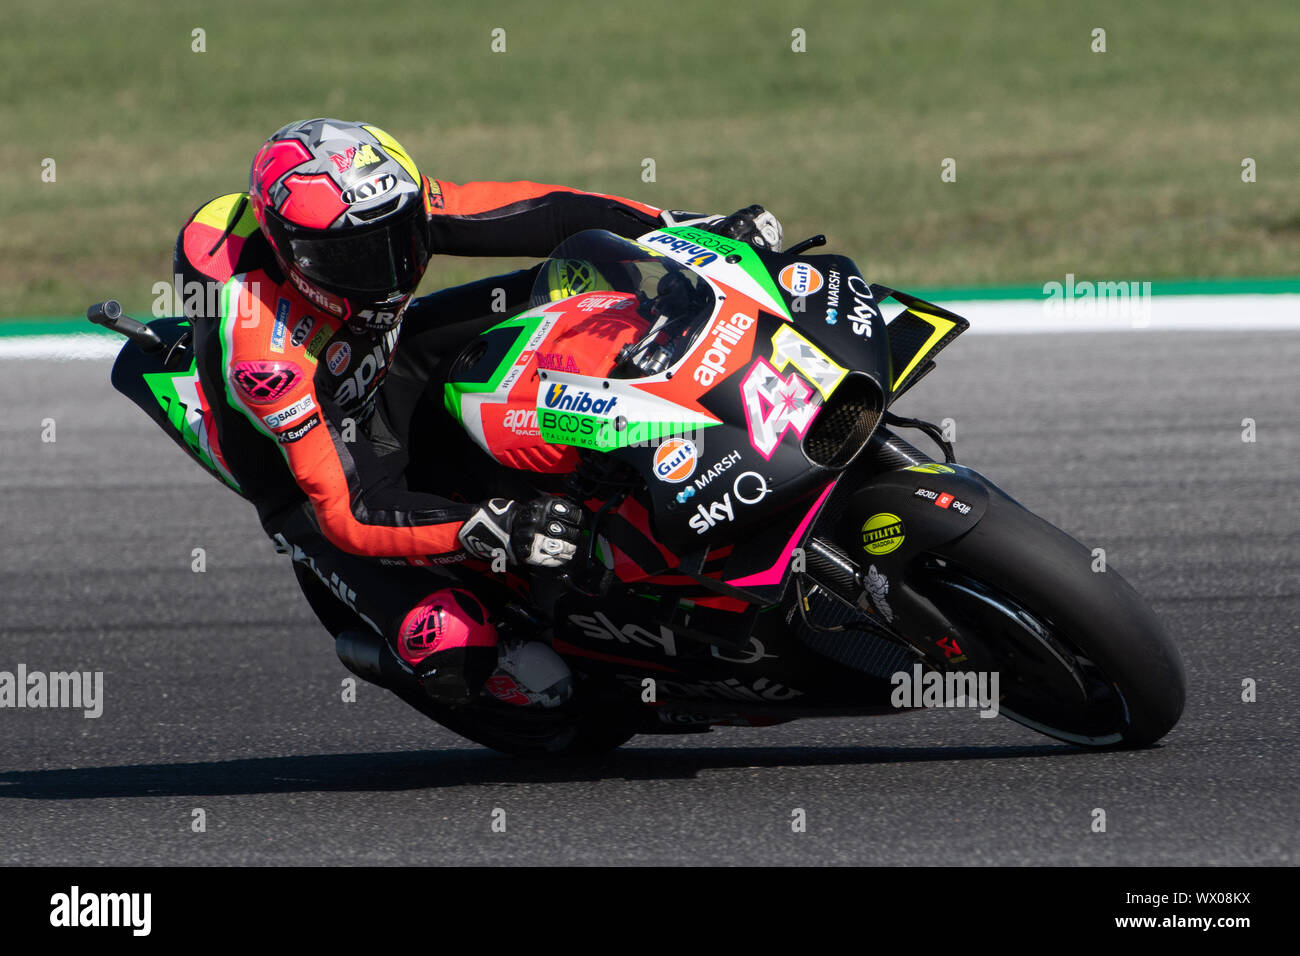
[(345, 210)]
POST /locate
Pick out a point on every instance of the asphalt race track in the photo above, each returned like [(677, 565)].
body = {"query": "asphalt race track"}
[(221, 693)]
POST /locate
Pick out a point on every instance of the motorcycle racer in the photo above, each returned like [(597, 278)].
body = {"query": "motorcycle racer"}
[(315, 365)]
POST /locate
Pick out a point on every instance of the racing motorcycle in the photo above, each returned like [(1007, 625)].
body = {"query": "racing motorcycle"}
[(763, 544)]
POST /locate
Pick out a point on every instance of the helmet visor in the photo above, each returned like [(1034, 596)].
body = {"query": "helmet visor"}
[(388, 260)]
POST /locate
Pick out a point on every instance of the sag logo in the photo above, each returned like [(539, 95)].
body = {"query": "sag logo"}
[(675, 460)]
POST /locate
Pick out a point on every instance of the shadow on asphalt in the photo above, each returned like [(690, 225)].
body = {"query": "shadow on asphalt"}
[(424, 769)]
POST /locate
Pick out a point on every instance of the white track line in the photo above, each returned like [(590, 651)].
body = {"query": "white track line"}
[(1205, 313)]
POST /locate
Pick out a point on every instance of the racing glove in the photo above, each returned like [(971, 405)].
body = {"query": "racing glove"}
[(543, 532), (753, 224)]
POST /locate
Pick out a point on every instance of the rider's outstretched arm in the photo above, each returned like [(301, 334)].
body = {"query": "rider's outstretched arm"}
[(525, 218)]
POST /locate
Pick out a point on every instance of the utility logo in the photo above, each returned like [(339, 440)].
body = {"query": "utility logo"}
[(882, 533)]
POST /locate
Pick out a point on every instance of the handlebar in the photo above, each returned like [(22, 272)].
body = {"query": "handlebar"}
[(809, 243), (110, 315)]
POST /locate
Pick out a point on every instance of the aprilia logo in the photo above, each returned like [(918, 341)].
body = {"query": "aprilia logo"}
[(367, 372), (521, 420)]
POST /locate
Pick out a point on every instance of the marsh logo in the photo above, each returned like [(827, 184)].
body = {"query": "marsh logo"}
[(76, 909), (573, 400)]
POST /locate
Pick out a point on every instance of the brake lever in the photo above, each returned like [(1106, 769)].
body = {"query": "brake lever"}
[(810, 243)]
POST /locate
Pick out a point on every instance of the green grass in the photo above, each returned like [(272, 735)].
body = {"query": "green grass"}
[(1116, 165)]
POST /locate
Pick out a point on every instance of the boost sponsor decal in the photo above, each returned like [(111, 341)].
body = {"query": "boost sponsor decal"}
[(287, 414), (578, 429), (711, 241), (291, 435), (263, 382), (727, 334), (675, 460), (337, 357), (882, 533), (799, 278), (568, 399)]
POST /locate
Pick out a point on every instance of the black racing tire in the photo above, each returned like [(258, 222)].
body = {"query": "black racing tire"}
[(1041, 577), (574, 733)]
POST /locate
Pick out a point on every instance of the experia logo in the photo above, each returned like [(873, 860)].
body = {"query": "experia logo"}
[(573, 400)]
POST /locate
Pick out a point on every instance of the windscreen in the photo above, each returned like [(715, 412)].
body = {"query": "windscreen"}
[(676, 301)]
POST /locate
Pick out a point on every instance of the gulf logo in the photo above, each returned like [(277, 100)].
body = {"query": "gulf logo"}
[(799, 278), (675, 460), (337, 357)]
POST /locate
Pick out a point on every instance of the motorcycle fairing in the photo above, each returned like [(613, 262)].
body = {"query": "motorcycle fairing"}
[(172, 398), (934, 503), (916, 336)]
